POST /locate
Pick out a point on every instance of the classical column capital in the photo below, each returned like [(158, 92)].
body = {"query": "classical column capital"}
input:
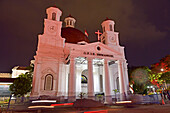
[(106, 61), (72, 58), (89, 59)]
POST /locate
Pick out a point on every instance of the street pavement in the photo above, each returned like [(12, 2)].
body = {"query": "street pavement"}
[(149, 108)]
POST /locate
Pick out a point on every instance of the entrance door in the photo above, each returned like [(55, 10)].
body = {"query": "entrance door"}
[(83, 84), (84, 80)]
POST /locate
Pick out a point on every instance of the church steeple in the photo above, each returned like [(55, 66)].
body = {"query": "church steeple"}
[(70, 21), (53, 13), (108, 25), (109, 36)]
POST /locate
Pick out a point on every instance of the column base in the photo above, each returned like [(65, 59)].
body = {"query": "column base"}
[(123, 96), (34, 94), (91, 96), (71, 99), (108, 100)]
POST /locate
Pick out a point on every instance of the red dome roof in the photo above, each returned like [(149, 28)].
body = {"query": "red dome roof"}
[(73, 35)]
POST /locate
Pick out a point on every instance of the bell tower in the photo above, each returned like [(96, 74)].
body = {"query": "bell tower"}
[(49, 56), (52, 23), (109, 36), (53, 13)]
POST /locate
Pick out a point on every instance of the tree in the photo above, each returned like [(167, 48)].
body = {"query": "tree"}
[(161, 70), (162, 66), (23, 84), (166, 77), (139, 77)]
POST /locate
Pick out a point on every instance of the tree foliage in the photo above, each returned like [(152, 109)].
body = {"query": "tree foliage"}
[(162, 66), (161, 70), (139, 77), (22, 85), (142, 76), (166, 77)]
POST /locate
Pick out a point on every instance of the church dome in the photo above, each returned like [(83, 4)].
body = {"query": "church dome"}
[(73, 35)]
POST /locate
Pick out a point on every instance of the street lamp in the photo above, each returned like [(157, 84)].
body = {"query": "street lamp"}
[(162, 69)]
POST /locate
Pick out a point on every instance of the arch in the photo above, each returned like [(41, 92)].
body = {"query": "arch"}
[(85, 72), (48, 85), (48, 71), (53, 16), (84, 79)]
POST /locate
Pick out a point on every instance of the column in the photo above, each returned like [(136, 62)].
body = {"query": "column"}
[(36, 80), (107, 83), (126, 78), (72, 81), (90, 79), (121, 80)]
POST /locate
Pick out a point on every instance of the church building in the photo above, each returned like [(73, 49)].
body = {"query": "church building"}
[(66, 63)]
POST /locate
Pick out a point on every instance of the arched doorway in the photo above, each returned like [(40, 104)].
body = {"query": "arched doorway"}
[(84, 80)]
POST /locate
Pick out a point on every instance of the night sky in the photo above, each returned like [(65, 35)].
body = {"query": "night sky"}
[(143, 25)]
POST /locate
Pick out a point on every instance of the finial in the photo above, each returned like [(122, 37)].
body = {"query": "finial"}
[(55, 6), (106, 19), (70, 16)]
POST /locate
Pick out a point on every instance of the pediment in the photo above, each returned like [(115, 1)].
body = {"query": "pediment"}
[(97, 49), (47, 71)]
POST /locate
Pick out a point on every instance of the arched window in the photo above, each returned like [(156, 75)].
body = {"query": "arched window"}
[(83, 79), (48, 82), (117, 83), (111, 29), (53, 16)]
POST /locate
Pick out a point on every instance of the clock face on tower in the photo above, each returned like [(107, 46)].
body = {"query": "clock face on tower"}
[(111, 38), (51, 28)]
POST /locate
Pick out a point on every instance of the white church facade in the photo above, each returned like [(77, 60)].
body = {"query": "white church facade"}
[(66, 64)]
